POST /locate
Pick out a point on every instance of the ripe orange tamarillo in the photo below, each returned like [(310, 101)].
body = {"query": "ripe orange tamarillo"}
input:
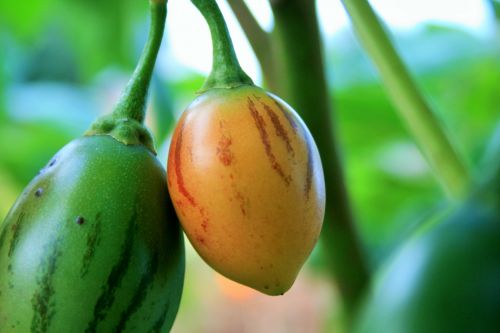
[(245, 175), (247, 184)]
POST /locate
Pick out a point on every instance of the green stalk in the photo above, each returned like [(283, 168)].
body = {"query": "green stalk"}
[(125, 123), (226, 70), (132, 103), (297, 38), (413, 108)]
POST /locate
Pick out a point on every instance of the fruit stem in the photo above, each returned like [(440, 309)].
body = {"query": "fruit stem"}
[(132, 103), (226, 70), (125, 123), (411, 104)]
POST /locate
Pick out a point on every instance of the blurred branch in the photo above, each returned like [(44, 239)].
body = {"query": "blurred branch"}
[(495, 6), (260, 41), (409, 101), (302, 71)]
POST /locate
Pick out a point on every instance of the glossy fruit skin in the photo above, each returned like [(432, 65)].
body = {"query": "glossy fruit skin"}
[(446, 280), (247, 183), (92, 245)]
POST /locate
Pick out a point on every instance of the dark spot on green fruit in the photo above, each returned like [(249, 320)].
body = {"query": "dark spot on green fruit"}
[(80, 220), (266, 287), (39, 192), (52, 162)]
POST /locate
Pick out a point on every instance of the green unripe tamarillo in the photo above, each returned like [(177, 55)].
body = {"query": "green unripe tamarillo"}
[(93, 243), (90, 246), (445, 280)]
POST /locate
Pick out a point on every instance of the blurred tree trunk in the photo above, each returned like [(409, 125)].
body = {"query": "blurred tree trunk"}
[(304, 85)]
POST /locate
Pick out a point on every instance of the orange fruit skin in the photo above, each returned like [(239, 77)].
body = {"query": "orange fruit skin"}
[(247, 184)]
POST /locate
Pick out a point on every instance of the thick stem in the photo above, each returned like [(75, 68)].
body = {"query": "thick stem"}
[(125, 123), (298, 39), (410, 103), (226, 70), (260, 41), (132, 103)]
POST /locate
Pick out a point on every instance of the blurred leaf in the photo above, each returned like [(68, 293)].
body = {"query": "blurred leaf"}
[(98, 34), (392, 195), (185, 90), (66, 105), (491, 157), (468, 100), (434, 47), (51, 59), (495, 6), (25, 18), (163, 108), (106, 31), (27, 147), (9, 190)]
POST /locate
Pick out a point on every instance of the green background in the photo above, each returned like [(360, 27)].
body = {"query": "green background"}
[(62, 63)]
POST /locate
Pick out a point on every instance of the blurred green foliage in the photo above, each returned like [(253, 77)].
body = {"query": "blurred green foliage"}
[(392, 188), (90, 35), (63, 62)]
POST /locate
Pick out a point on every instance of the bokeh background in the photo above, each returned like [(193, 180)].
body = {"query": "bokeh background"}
[(64, 62)]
